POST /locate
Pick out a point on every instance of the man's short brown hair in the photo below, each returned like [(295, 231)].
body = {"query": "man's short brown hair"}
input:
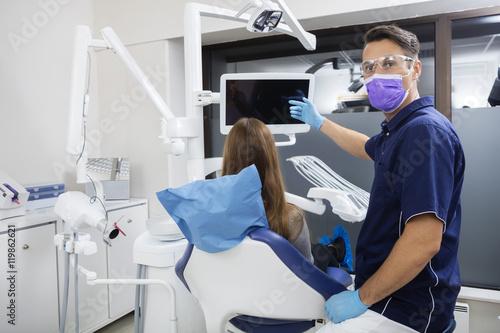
[(406, 39)]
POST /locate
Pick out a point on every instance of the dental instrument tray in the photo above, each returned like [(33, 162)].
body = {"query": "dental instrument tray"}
[(346, 199)]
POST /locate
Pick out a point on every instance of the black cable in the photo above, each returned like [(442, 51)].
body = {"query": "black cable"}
[(95, 197)]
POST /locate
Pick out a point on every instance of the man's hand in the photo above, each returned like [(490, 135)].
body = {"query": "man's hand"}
[(306, 111), (344, 305)]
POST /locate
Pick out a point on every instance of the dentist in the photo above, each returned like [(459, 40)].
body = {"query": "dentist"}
[(407, 274)]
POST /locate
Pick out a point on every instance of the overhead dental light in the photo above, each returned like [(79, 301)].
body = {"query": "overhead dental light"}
[(265, 17), (196, 98)]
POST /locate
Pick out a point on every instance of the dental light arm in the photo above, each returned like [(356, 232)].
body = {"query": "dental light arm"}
[(173, 129), (266, 9), (119, 49), (79, 97), (307, 39), (193, 67), (290, 26)]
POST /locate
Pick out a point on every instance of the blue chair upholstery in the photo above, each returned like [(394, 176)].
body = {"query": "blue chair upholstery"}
[(261, 285)]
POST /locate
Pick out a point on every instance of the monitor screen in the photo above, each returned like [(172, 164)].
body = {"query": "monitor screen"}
[(264, 96)]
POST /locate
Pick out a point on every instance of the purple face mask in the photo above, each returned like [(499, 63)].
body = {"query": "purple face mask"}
[(386, 91)]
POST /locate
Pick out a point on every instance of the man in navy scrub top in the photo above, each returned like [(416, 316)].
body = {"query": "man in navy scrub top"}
[(407, 274)]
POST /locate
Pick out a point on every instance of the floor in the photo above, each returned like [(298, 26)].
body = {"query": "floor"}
[(123, 325)]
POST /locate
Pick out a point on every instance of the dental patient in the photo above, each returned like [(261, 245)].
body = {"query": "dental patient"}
[(251, 142)]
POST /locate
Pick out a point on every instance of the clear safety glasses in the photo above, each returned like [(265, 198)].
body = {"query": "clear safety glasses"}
[(387, 64)]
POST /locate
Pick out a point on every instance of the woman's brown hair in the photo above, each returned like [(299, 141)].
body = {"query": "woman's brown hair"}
[(251, 142)]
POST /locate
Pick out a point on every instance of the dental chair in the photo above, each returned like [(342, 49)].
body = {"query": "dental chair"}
[(261, 285)]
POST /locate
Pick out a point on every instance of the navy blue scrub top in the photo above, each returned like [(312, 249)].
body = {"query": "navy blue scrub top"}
[(419, 168)]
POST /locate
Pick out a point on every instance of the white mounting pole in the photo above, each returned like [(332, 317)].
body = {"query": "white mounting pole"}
[(194, 80), (193, 84), (78, 74), (78, 101)]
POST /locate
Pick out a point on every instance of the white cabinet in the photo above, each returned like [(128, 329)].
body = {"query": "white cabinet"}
[(28, 286), (101, 304), (132, 220)]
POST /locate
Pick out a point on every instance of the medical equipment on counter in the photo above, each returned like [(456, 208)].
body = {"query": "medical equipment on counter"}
[(347, 200), (43, 195), (13, 197), (76, 210), (264, 96), (261, 285), (113, 173)]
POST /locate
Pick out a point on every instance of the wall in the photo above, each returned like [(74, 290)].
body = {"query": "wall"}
[(484, 316), (35, 64)]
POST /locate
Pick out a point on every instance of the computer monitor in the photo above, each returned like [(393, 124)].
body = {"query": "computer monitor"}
[(264, 96)]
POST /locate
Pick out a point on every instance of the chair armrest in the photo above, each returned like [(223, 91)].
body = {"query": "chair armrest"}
[(181, 264), (298, 264)]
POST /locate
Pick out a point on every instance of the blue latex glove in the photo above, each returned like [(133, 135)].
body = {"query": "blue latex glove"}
[(306, 111), (340, 231), (344, 305)]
